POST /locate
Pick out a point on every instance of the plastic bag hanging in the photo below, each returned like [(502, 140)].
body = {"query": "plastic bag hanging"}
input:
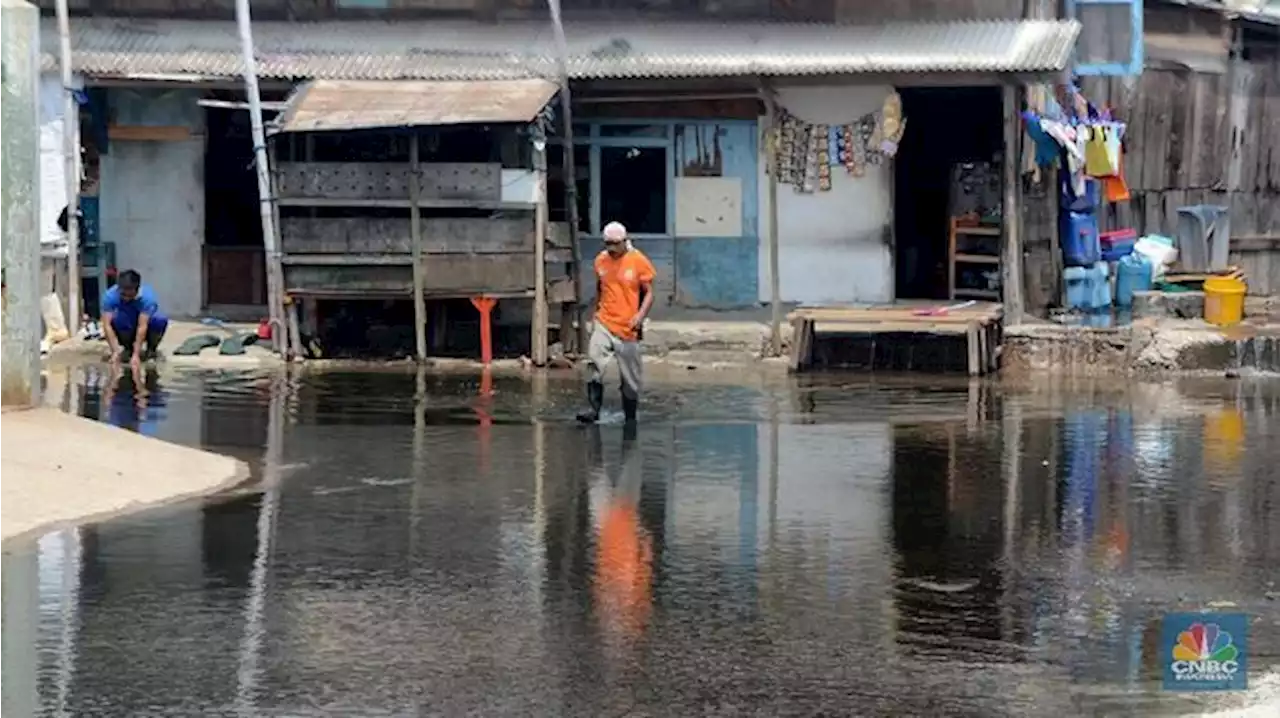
[(1097, 160)]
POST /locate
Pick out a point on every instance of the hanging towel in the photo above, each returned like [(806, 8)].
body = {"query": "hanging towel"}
[(1047, 147)]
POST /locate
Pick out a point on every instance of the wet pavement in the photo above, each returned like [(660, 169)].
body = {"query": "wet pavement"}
[(829, 546)]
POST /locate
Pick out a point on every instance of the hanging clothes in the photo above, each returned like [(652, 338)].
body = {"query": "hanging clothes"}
[(1046, 147), (1072, 143)]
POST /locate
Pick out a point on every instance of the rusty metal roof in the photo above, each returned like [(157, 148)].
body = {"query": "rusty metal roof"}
[(467, 50), (365, 104)]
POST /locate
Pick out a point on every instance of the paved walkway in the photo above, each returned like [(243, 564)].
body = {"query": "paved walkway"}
[(60, 469)]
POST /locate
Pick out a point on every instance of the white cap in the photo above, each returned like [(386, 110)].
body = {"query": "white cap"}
[(615, 231)]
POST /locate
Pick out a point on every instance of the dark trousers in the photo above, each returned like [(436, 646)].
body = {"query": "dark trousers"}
[(128, 336)]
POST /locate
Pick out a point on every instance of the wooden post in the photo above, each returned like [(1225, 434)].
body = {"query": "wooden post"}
[(1011, 249), (570, 184), (419, 271), (295, 330), (775, 282), (540, 319)]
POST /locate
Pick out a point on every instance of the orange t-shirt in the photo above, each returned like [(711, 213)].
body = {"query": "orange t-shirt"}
[(620, 281)]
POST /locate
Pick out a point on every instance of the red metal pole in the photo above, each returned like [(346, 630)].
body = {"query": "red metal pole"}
[(485, 306)]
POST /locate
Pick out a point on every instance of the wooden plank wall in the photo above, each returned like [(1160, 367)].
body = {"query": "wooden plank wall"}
[(391, 235), (1197, 137)]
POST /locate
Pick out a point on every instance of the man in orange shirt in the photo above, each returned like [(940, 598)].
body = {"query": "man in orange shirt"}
[(624, 294)]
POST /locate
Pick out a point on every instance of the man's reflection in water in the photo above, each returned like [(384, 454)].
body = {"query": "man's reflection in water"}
[(624, 550), (132, 404)]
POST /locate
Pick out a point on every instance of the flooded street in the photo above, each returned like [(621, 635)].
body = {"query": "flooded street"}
[(822, 546)]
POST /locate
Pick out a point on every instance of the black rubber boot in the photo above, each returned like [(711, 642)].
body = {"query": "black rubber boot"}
[(629, 407), (595, 399)]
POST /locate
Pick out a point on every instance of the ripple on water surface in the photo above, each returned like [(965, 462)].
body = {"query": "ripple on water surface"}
[(442, 545)]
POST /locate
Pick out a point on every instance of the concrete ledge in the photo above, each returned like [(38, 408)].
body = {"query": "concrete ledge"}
[(1144, 348), (60, 469)]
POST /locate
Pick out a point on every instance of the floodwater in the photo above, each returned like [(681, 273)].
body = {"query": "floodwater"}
[(823, 546)]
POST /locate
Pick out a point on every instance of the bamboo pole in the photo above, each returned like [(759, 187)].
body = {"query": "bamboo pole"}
[(270, 241), (539, 348), (570, 174), (415, 233), (71, 160)]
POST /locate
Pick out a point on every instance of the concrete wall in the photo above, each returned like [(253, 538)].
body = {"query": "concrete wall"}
[(832, 245), (152, 195), (19, 203)]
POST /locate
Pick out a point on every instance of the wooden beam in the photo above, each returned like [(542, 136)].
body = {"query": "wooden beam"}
[(1011, 264), (148, 133), (539, 349), (419, 271)]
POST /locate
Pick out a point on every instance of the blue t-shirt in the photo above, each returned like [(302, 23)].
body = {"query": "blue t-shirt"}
[(126, 313)]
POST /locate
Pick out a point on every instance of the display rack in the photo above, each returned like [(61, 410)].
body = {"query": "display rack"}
[(969, 245)]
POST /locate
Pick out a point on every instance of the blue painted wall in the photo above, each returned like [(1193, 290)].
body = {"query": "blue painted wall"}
[(719, 272), (712, 272)]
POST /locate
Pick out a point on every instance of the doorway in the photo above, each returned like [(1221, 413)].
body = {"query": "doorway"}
[(234, 259), (945, 127)]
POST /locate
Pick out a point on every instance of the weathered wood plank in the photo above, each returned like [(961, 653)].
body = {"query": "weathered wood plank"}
[(464, 274), (560, 290), (477, 235), (367, 235), (388, 180), (348, 281)]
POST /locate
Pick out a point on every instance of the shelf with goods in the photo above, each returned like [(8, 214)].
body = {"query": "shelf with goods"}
[(971, 245)]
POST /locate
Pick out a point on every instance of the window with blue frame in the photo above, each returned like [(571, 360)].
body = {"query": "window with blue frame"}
[(1110, 41)]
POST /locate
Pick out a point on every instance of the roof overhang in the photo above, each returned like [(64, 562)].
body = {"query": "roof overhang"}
[(104, 47), (338, 105)]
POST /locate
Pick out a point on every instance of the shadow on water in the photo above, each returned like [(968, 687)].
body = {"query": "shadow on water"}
[(449, 545)]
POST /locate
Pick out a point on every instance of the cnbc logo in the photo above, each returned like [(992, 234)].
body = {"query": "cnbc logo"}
[(1204, 652)]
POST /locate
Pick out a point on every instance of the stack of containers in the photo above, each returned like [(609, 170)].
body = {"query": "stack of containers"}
[(1086, 275)]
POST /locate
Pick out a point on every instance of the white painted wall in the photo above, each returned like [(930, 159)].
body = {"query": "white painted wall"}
[(53, 187), (831, 246), (152, 197)]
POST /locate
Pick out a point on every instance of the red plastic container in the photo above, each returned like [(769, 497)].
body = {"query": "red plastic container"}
[(1117, 243)]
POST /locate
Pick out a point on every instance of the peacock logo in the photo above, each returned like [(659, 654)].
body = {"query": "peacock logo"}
[(1206, 653)]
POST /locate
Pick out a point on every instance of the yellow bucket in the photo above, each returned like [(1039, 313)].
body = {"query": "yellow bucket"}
[(1223, 300)]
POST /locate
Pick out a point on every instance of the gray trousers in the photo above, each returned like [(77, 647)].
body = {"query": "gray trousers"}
[(603, 348)]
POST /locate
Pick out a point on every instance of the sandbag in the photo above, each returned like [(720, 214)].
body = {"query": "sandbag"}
[(195, 345), (55, 323)]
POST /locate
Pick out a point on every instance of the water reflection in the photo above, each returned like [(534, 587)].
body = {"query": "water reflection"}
[(841, 546)]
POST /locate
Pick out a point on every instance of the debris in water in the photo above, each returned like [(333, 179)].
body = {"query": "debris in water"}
[(953, 587)]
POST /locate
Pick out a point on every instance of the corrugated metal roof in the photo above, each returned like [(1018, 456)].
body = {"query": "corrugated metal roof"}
[(366, 104), (464, 50)]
